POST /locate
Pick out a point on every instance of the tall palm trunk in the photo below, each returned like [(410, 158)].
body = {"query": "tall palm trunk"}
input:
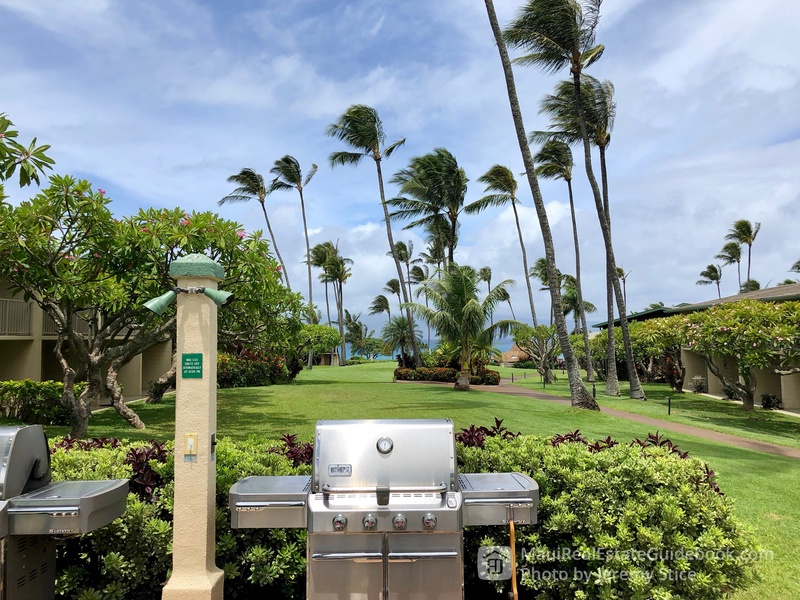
[(310, 361), (275, 245), (612, 379), (337, 292), (605, 225), (400, 277), (578, 292), (524, 263), (327, 303), (749, 253), (580, 396)]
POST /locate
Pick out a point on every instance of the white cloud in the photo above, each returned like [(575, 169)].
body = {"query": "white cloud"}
[(161, 102)]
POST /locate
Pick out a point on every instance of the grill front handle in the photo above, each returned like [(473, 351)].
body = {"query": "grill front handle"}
[(378, 557), (382, 491)]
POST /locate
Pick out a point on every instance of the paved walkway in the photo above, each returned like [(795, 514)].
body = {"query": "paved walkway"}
[(506, 387)]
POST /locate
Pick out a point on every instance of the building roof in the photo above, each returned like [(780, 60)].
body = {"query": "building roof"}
[(780, 293)]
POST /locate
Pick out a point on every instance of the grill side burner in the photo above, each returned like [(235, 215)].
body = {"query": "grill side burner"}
[(385, 509), (33, 509)]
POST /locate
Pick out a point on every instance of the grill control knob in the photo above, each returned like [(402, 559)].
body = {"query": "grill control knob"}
[(340, 522), (399, 522), (370, 522), (429, 521)]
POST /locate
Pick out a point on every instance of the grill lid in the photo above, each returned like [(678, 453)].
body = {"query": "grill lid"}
[(384, 456), (24, 460)]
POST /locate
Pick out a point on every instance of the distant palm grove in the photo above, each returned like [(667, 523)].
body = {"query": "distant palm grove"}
[(429, 293)]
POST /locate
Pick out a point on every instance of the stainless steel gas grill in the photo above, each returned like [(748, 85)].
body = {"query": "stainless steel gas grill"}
[(385, 509), (33, 509)]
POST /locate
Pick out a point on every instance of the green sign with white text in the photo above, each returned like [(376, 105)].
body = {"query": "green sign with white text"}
[(192, 366)]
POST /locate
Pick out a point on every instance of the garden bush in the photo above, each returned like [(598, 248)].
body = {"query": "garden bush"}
[(446, 375), (524, 364), (771, 402), (427, 374), (595, 497), (36, 402), (622, 521), (130, 558), (250, 370)]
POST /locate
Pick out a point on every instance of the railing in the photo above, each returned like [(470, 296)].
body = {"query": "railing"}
[(49, 326), (15, 317)]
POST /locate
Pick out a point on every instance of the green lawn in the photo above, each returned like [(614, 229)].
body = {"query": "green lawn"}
[(765, 488), (687, 408)]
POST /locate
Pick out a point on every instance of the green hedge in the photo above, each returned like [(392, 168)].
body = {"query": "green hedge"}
[(616, 521), (427, 374), (445, 374), (36, 402), (250, 370), (622, 498)]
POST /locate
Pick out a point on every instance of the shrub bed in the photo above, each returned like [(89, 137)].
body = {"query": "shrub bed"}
[(250, 370), (446, 375), (427, 374), (36, 402), (623, 521), (618, 500)]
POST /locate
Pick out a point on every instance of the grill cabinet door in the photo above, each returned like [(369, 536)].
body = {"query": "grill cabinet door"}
[(344, 566), (425, 566)]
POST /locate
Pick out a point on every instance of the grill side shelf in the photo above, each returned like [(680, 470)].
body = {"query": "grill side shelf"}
[(268, 502), (498, 498)]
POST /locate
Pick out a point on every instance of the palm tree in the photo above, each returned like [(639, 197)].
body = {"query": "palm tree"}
[(540, 272), (393, 287), (580, 396), (571, 304), (380, 305), (599, 111), (744, 232), (319, 258), (433, 187), (732, 253), (796, 267), (500, 180), (506, 297), (251, 186), (623, 277), (558, 34), (395, 336), (420, 275), (555, 162), (356, 332), (361, 128), (404, 253), (338, 273), (289, 175), (437, 244), (459, 316), (485, 275), (711, 274)]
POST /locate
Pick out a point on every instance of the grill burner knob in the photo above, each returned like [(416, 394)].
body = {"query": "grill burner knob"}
[(429, 521), (399, 522), (340, 522), (370, 522)]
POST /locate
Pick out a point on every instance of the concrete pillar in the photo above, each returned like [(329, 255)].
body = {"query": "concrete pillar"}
[(194, 574)]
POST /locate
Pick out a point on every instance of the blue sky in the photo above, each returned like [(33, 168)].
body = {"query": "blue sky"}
[(159, 102)]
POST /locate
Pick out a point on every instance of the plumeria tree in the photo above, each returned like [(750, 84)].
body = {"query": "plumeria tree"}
[(757, 335), (541, 344), (31, 160), (64, 250)]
